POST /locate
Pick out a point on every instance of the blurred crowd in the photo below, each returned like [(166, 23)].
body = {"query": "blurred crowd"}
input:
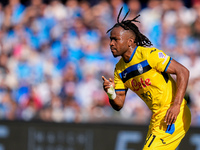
[(52, 57)]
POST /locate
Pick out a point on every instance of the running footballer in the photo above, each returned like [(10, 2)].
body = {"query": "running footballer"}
[(146, 71)]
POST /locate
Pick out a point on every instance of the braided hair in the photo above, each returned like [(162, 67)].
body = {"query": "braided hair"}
[(140, 40)]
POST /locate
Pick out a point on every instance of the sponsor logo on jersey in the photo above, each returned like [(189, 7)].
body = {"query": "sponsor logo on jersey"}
[(137, 85), (152, 51), (124, 75)]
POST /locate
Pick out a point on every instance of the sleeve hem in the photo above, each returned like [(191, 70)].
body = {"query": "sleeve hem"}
[(168, 64), (121, 90)]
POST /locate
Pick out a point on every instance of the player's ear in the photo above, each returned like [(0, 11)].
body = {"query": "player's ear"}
[(131, 41)]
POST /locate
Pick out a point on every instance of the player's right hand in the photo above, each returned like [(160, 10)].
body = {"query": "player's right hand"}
[(107, 83)]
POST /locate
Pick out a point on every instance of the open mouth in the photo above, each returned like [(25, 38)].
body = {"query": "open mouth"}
[(113, 49)]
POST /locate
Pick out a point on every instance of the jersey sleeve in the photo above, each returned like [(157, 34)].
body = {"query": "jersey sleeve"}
[(119, 85), (158, 60)]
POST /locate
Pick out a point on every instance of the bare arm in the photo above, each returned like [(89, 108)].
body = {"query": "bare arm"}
[(182, 76), (118, 102)]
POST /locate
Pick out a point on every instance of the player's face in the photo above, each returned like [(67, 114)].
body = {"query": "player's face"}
[(118, 41)]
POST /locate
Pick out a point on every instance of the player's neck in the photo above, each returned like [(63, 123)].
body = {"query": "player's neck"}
[(127, 55)]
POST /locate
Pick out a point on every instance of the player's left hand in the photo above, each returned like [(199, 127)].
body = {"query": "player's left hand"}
[(172, 114)]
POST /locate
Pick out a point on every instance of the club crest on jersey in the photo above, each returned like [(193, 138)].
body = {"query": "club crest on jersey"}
[(140, 68), (161, 55)]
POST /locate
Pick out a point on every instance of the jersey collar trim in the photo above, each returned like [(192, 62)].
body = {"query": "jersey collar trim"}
[(131, 55)]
